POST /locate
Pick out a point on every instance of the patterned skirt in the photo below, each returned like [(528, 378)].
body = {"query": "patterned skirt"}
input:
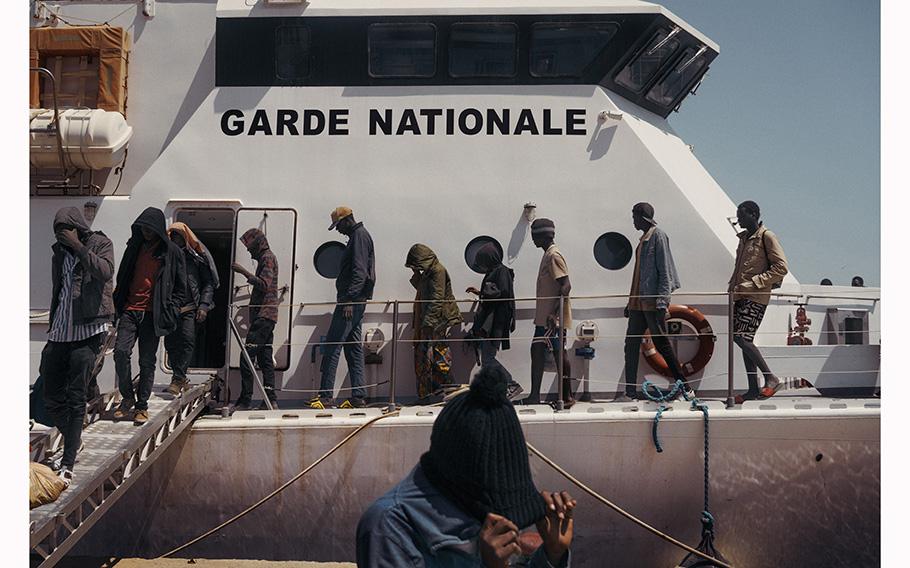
[(432, 361)]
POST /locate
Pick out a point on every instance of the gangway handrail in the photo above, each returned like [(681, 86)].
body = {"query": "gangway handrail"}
[(54, 535)]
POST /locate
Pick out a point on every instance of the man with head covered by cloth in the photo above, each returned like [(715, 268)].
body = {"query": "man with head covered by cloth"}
[(465, 501), (82, 268), (201, 281)]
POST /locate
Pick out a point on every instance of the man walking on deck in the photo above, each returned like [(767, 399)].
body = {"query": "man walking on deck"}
[(549, 325), (263, 317), (354, 286), (654, 278), (760, 267), (195, 304), (150, 280), (82, 269)]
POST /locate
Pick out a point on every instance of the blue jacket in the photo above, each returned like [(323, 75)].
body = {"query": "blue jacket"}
[(658, 275), (357, 273), (414, 525)]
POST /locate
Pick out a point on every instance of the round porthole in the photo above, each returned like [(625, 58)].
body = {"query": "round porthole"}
[(613, 251), (470, 251), (327, 259)]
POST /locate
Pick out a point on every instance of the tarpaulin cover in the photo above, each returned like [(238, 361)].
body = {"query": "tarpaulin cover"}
[(109, 44)]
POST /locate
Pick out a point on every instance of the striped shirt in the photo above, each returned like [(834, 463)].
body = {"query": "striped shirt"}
[(62, 329)]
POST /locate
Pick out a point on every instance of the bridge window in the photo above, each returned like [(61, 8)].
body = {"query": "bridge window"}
[(483, 50), (402, 50), (566, 49), (647, 62), (292, 52), (679, 78)]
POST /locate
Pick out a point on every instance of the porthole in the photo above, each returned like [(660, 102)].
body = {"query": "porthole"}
[(327, 259), (470, 251), (613, 251)]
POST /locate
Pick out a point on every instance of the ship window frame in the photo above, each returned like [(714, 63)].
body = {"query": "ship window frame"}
[(614, 27), (474, 245), (688, 52), (661, 69), (612, 241), (515, 51), (308, 54), (378, 25)]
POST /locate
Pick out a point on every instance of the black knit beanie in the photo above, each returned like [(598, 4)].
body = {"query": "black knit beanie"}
[(477, 456)]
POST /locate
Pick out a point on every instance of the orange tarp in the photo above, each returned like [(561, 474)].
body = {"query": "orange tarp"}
[(110, 45)]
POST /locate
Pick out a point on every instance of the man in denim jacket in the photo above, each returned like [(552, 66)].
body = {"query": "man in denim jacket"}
[(654, 278), (464, 503)]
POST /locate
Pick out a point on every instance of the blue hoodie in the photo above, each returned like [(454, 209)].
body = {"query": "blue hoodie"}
[(414, 525)]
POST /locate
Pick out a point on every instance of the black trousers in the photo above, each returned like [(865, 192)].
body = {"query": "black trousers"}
[(181, 343), (133, 326), (639, 321), (259, 346), (66, 369)]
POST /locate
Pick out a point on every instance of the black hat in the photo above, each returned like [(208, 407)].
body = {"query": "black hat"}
[(477, 456), (646, 210)]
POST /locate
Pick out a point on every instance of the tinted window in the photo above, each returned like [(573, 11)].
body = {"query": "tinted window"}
[(482, 50), (470, 251), (327, 259), (565, 50), (292, 52), (645, 65), (402, 50), (680, 76), (613, 251)]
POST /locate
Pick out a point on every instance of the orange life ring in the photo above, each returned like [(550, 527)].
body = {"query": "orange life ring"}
[(706, 339)]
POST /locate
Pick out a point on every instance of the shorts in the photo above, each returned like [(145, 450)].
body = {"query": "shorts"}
[(548, 336), (747, 316)]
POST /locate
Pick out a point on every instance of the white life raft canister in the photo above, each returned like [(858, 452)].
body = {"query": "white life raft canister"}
[(93, 139)]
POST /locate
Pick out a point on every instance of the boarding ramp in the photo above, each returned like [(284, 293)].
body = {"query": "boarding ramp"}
[(114, 456)]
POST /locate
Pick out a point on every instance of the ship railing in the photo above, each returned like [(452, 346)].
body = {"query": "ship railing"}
[(862, 300)]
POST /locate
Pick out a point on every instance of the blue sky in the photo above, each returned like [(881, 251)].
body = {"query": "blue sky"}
[(789, 117)]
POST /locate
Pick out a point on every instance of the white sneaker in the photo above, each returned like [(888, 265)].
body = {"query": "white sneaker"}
[(66, 475)]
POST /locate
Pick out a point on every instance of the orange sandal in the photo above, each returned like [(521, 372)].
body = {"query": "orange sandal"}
[(768, 392)]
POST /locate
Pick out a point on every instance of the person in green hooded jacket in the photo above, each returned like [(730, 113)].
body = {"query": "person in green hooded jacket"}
[(435, 311)]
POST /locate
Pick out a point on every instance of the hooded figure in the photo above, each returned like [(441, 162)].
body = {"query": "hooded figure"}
[(201, 281), (435, 311), (263, 317), (151, 289), (92, 276), (476, 471), (82, 268), (495, 319), (170, 280)]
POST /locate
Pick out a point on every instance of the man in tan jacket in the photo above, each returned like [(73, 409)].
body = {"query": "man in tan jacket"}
[(760, 266)]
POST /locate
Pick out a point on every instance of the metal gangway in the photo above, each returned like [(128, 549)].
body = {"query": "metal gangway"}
[(115, 455)]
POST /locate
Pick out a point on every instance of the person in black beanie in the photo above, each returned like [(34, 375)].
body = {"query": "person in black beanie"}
[(471, 493)]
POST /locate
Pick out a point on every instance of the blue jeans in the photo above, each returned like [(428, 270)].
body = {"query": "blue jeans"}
[(348, 331)]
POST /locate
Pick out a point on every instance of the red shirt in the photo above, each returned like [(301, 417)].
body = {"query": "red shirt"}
[(143, 283)]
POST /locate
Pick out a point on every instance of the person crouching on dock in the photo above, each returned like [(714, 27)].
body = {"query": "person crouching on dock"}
[(760, 266), (465, 501), (150, 280)]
